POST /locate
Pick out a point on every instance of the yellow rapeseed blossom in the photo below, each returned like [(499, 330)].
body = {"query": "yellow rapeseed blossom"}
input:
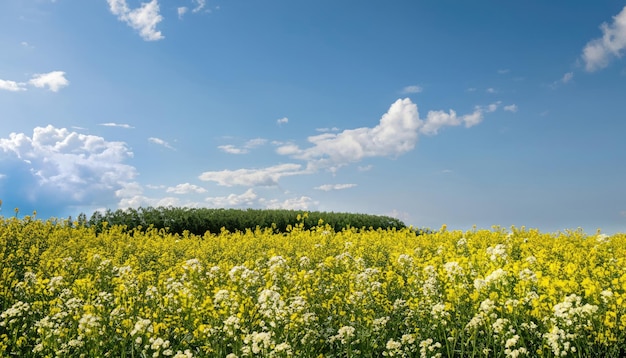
[(69, 291)]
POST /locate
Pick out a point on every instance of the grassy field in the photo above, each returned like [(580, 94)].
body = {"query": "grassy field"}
[(67, 291)]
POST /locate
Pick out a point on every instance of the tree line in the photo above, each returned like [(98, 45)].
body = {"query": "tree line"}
[(200, 220)]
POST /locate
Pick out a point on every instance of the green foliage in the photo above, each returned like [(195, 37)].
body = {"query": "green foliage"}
[(201, 220)]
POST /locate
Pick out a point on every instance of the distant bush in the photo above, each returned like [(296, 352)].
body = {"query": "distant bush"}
[(200, 220)]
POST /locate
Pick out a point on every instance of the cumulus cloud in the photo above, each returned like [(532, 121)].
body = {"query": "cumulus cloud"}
[(301, 203), (186, 188), (329, 187), (435, 120), (56, 166), (132, 195), (11, 86), (412, 89), (54, 80), (248, 198), (283, 120), (252, 177), (118, 125), (160, 142), (143, 19), (396, 133), (598, 52), (182, 11)]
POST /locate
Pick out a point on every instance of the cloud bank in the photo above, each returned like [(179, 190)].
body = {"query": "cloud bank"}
[(56, 166), (252, 177)]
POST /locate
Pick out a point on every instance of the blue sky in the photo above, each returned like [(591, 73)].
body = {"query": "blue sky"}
[(436, 112)]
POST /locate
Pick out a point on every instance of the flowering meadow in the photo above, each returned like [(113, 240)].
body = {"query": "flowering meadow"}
[(69, 291)]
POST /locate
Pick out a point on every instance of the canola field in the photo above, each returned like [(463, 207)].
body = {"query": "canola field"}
[(67, 291)]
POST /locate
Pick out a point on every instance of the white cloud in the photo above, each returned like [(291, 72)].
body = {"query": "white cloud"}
[(288, 149), (504, 71), (118, 125), (11, 86), (69, 166), (200, 4), (143, 19), (329, 187), (54, 80), (160, 142), (248, 199), (396, 134), (181, 11), (598, 52), (301, 203), (252, 177), (132, 196), (231, 149), (256, 142), (186, 188), (435, 120), (491, 90), (283, 120), (412, 89), (511, 108), (253, 143), (144, 201), (492, 107), (365, 168)]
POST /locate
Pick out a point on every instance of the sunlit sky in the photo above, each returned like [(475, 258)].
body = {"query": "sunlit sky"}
[(435, 112)]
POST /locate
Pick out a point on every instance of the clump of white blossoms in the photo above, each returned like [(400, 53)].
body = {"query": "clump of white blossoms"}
[(495, 277), (427, 347), (453, 270), (257, 343), (345, 335), (570, 318), (497, 252), (193, 265)]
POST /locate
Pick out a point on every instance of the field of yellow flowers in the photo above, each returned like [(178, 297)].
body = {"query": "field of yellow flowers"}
[(67, 291)]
